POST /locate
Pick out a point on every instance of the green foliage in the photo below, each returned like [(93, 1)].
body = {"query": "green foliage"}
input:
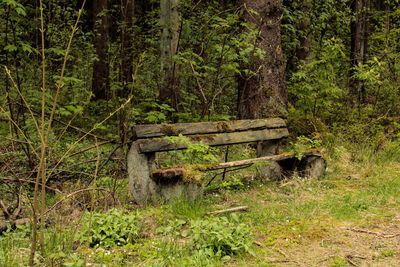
[(316, 89), (233, 183), (221, 236), (303, 144), (196, 152), (111, 229), (183, 208), (75, 262), (212, 42)]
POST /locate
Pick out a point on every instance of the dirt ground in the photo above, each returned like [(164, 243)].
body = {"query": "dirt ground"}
[(345, 245)]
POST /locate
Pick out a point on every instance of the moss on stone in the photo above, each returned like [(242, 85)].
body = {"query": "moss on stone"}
[(193, 176)]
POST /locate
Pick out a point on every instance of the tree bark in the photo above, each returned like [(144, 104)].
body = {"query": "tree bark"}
[(126, 69), (303, 52), (100, 80), (264, 94), (169, 44), (304, 36), (359, 43)]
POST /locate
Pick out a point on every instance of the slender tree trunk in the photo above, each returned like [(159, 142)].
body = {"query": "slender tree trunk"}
[(364, 50), (359, 44), (126, 69), (303, 52), (100, 81), (169, 92), (264, 94)]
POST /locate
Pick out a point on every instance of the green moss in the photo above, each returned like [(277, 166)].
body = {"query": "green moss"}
[(203, 167), (202, 137), (193, 176), (195, 173), (224, 126), (169, 129)]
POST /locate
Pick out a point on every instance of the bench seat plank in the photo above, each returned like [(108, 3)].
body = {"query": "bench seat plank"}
[(168, 173), (159, 130), (159, 144)]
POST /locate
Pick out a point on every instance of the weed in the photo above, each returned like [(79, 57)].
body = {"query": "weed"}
[(385, 254), (339, 262), (188, 209), (111, 229), (221, 236)]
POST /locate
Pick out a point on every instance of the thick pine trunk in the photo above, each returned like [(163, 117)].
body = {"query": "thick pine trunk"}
[(100, 80), (169, 44), (264, 94)]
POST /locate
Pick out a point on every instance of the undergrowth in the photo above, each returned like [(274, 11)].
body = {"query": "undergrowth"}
[(361, 188)]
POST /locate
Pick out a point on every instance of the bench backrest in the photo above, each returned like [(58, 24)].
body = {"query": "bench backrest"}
[(149, 139)]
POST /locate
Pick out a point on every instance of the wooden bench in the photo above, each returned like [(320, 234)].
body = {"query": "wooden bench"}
[(147, 183)]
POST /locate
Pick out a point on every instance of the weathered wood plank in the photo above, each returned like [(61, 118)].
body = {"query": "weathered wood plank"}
[(159, 144), (168, 173), (159, 130)]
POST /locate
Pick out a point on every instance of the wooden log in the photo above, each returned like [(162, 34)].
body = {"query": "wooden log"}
[(159, 130), (157, 144), (168, 173), (218, 212)]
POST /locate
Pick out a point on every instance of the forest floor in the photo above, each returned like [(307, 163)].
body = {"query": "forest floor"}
[(349, 217)]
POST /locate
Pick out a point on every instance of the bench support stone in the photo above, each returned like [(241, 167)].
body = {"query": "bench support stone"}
[(144, 188), (139, 167), (269, 148)]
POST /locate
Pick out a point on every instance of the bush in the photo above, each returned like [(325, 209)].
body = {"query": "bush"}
[(111, 229)]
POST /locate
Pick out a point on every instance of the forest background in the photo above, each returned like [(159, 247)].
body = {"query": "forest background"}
[(77, 75)]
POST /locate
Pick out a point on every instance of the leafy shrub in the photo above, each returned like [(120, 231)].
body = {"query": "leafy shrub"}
[(114, 228), (221, 236), (196, 152), (303, 144), (316, 88)]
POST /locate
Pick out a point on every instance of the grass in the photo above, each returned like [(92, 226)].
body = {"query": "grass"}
[(310, 222)]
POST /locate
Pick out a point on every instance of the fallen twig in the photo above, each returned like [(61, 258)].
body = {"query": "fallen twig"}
[(241, 208), (259, 244), (373, 233), (363, 231), (356, 256), (390, 236), (282, 261), (349, 260)]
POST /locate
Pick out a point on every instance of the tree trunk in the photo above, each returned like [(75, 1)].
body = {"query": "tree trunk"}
[(126, 69), (169, 44), (303, 34), (100, 81), (303, 52), (359, 43), (264, 94)]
